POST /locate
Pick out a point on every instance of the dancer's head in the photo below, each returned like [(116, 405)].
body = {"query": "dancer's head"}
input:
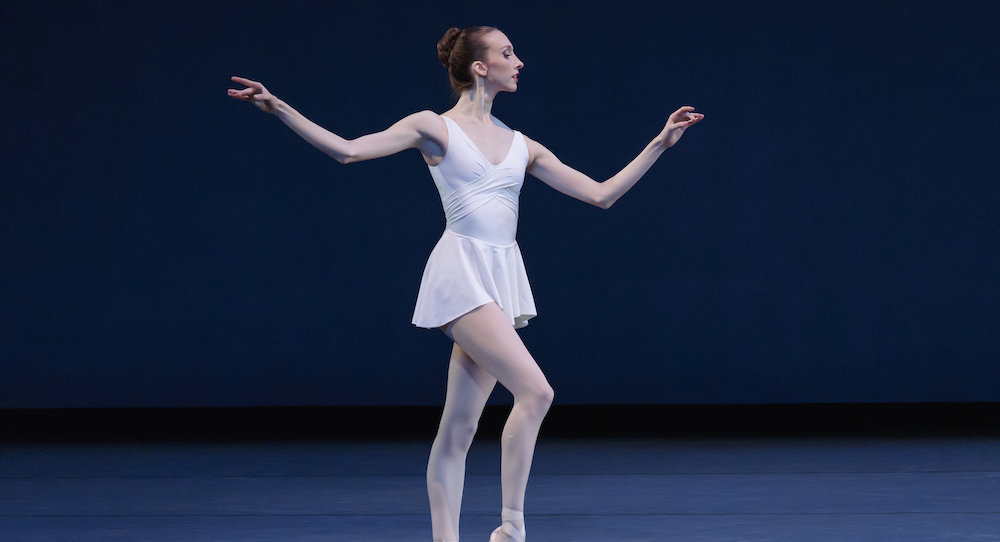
[(474, 52)]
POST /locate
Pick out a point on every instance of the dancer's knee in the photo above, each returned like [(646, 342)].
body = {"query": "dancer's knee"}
[(457, 434), (546, 397), (538, 401)]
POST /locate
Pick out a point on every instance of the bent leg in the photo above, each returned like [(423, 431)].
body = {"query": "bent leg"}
[(487, 336), (469, 386)]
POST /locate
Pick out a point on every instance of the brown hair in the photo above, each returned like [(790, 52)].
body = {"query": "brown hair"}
[(458, 49)]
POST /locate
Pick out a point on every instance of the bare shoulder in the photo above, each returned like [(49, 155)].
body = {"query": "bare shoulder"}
[(426, 121), (532, 144), (430, 126), (432, 132), (535, 149)]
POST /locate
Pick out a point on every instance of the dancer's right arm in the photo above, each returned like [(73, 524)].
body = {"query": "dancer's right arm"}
[(423, 130)]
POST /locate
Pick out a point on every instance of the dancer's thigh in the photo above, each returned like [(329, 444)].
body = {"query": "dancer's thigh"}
[(469, 385), (489, 339)]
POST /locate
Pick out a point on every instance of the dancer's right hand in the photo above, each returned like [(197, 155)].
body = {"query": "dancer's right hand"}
[(255, 93)]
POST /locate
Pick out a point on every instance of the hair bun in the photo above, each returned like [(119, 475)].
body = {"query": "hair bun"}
[(446, 44)]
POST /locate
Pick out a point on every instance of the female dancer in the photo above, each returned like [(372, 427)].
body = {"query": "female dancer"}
[(474, 287)]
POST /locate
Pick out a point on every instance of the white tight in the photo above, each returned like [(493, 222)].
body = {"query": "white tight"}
[(487, 350)]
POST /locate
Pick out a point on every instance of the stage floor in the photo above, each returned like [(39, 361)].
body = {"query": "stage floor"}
[(691, 489)]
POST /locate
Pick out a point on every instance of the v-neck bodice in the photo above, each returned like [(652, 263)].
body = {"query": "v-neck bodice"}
[(472, 143), (480, 199)]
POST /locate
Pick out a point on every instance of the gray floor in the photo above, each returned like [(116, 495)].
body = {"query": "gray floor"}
[(685, 489)]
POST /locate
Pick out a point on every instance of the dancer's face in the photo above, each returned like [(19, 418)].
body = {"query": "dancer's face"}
[(502, 65)]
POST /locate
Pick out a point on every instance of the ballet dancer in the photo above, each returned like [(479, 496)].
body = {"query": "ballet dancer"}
[(474, 287)]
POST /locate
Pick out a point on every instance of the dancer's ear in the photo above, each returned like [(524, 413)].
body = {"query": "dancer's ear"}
[(479, 68)]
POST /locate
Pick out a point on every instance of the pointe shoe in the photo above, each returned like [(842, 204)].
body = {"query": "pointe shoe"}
[(506, 516)]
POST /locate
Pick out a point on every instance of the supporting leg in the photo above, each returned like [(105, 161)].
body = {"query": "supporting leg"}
[(469, 386)]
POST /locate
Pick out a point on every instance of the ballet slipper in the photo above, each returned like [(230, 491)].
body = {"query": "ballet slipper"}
[(506, 528)]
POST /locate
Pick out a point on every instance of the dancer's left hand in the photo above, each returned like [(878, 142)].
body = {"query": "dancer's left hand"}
[(679, 121)]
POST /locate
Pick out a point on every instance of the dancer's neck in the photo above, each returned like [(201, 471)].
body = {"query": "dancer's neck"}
[(476, 104)]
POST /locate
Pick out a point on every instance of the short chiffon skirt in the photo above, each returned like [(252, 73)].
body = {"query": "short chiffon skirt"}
[(464, 273)]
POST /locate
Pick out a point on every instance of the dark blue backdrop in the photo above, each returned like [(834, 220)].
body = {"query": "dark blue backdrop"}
[(828, 234)]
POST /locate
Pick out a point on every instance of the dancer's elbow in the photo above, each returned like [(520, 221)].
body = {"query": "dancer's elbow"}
[(345, 158), (604, 201), (345, 155)]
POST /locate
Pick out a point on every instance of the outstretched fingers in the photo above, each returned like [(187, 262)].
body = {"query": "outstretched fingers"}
[(693, 118), (253, 87), (685, 116), (244, 94)]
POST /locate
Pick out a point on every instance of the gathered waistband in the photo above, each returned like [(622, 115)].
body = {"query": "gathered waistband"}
[(478, 240)]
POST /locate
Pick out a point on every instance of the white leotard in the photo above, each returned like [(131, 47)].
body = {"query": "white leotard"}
[(477, 260)]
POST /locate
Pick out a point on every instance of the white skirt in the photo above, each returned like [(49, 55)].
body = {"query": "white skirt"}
[(464, 273)]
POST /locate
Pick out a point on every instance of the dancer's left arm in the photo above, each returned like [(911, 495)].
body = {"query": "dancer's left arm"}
[(545, 166)]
